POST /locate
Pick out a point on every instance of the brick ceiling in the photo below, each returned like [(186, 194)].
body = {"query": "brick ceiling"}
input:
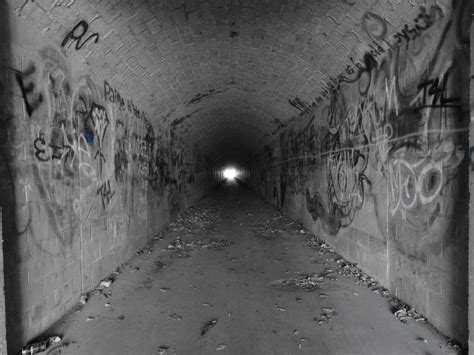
[(220, 73)]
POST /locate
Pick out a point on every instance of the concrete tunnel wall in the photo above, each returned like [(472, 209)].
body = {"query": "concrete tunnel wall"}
[(379, 165), (87, 174), (352, 116)]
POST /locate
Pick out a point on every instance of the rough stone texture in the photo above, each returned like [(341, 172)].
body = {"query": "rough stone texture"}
[(381, 167)]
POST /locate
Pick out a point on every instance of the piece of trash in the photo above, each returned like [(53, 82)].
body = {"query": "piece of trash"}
[(164, 289), (175, 316), (107, 304), (323, 295), (206, 304), (83, 299), (40, 346), (91, 318), (278, 308), (421, 339), (295, 332), (299, 300), (163, 349), (211, 324), (220, 347), (121, 317), (356, 294), (106, 283), (229, 314)]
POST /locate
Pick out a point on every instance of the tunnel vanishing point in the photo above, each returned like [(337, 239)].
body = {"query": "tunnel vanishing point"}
[(351, 116)]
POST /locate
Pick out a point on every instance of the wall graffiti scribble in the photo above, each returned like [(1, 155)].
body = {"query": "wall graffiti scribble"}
[(76, 35)]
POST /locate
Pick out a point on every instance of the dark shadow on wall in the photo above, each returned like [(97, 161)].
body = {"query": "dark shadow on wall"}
[(8, 173)]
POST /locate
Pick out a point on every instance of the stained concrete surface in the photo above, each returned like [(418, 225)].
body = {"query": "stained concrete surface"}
[(226, 260)]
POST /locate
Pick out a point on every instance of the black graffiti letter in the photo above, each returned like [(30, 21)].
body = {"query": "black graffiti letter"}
[(39, 144), (28, 90), (72, 35)]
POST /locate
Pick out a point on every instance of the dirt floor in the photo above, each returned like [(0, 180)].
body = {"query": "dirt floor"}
[(233, 275)]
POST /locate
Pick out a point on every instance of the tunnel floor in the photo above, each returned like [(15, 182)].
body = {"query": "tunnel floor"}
[(233, 275)]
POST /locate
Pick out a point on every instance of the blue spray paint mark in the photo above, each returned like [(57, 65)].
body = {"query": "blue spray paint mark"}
[(89, 136)]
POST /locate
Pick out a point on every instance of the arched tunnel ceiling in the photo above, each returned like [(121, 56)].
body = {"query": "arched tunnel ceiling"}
[(227, 74)]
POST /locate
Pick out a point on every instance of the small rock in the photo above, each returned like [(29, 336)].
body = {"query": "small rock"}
[(106, 283), (83, 299)]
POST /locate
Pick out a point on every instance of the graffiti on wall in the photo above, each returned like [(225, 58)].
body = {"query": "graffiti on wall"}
[(396, 123), (92, 150), (77, 34)]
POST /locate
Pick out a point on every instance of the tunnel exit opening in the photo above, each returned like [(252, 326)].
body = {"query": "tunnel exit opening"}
[(230, 173)]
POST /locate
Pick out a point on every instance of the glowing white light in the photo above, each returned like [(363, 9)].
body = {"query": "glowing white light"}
[(230, 173)]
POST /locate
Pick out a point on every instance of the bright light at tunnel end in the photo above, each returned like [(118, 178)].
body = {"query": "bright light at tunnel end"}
[(230, 174)]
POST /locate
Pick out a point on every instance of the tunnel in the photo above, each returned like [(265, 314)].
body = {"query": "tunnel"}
[(349, 118)]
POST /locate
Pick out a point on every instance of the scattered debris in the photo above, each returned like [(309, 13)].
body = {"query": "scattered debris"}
[(220, 347), (40, 346), (211, 324), (400, 309), (157, 266), (278, 308), (305, 282), (319, 246), (404, 312), (421, 339), (175, 316), (163, 349), (325, 316), (186, 244), (106, 283), (454, 345), (84, 298), (215, 244)]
